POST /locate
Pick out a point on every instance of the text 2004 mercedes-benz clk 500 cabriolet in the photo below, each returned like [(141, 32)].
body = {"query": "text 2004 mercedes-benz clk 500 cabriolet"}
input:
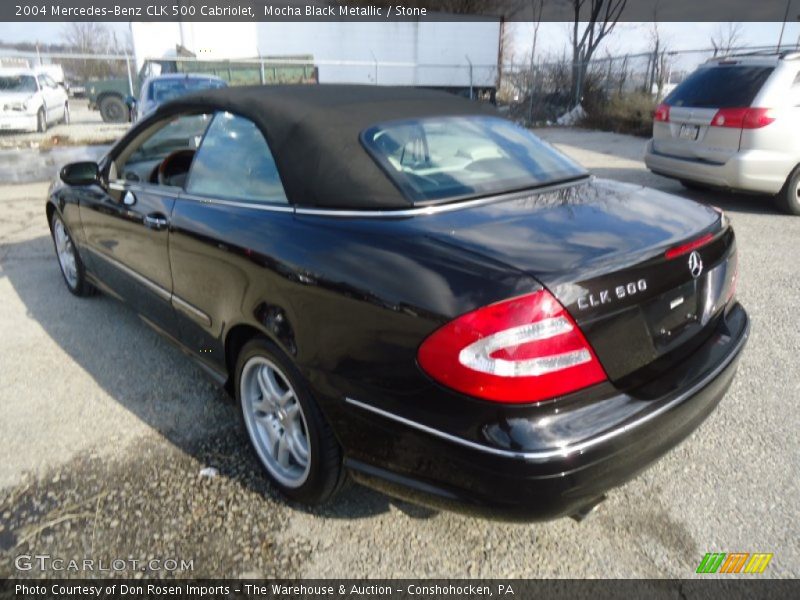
[(402, 286)]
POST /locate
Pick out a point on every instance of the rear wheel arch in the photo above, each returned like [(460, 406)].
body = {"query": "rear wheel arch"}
[(104, 95), (788, 199), (235, 339)]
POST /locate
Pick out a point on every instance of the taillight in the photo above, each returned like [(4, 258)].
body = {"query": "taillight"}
[(661, 113), (743, 118), (526, 349), (677, 251)]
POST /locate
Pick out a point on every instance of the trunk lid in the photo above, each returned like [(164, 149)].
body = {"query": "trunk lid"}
[(600, 248)]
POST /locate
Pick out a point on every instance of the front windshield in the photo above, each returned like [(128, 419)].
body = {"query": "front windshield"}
[(164, 90), (18, 83), (456, 157)]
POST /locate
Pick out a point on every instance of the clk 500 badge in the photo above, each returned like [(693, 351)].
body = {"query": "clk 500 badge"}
[(593, 299)]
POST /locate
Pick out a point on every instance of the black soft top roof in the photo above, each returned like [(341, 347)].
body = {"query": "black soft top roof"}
[(313, 132)]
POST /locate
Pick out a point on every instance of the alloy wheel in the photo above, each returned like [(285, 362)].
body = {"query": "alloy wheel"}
[(66, 253), (275, 421)]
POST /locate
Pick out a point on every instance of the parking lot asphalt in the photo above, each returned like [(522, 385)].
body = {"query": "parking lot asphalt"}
[(106, 428)]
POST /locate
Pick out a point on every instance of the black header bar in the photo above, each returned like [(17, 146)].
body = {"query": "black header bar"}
[(379, 10)]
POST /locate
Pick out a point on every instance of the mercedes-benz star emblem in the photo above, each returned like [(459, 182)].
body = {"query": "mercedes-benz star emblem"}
[(695, 264)]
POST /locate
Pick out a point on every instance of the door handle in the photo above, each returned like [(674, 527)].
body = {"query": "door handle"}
[(156, 221)]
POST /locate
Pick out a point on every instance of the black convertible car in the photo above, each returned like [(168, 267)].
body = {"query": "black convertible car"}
[(402, 286)]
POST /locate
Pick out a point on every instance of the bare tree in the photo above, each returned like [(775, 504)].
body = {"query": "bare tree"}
[(537, 7), (658, 63), (87, 37), (726, 38), (603, 16), (90, 37), (623, 75)]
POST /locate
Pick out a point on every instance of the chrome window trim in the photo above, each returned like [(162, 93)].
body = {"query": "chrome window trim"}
[(169, 191), (288, 208), (420, 211), (545, 455), (435, 209)]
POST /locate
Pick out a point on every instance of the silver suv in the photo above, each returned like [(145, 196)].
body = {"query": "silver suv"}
[(735, 124)]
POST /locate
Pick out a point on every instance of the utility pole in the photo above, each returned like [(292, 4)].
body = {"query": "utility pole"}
[(783, 25)]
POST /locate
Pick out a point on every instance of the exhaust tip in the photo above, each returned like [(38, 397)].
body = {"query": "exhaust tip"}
[(587, 509)]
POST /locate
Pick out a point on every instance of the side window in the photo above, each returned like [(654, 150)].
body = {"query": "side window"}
[(235, 162), (177, 139), (42, 82)]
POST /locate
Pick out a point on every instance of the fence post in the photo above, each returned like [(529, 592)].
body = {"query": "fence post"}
[(578, 70), (531, 89), (128, 71), (470, 76)]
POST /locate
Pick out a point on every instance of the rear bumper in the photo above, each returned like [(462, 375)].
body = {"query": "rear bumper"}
[(539, 468), (749, 170)]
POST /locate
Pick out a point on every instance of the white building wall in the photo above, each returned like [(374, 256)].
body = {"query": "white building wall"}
[(206, 40), (424, 53)]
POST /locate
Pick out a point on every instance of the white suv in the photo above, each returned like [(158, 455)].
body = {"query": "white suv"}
[(31, 100), (734, 123)]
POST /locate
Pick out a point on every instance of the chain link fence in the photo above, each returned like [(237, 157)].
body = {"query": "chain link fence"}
[(617, 92)]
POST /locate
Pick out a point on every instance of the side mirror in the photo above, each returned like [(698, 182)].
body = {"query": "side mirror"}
[(80, 173)]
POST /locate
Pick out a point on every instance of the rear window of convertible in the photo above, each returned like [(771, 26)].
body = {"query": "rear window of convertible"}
[(450, 158)]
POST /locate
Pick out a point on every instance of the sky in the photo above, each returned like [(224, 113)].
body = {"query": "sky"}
[(42, 32)]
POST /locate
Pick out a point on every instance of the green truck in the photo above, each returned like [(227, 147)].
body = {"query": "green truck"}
[(115, 97)]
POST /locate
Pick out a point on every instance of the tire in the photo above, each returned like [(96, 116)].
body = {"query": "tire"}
[(693, 185), (113, 110), (69, 260), (65, 118), (788, 199), (287, 432), (41, 120)]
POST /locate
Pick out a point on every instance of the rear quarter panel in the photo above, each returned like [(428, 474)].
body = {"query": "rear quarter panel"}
[(349, 300)]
